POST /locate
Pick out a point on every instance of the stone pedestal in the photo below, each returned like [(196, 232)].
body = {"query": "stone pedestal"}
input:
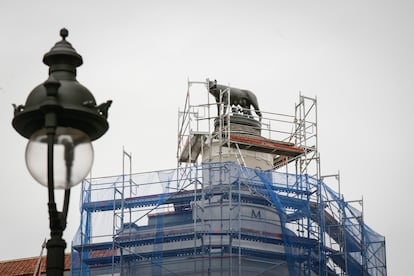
[(239, 124)]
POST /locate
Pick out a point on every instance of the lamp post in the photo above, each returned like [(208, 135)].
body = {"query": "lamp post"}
[(60, 118)]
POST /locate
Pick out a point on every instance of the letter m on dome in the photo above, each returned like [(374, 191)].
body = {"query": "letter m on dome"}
[(256, 214)]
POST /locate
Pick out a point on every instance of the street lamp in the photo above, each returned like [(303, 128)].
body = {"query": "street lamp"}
[(60, 118)]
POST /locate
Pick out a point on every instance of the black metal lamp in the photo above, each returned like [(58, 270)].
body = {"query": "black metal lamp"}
[(60, 118)]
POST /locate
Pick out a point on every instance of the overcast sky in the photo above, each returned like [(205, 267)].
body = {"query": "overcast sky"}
[(357, 57)]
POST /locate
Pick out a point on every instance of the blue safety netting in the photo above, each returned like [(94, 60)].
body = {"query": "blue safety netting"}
[(321, 232)]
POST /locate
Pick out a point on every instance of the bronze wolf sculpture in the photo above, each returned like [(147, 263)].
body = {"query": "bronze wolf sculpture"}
[(238, 97)]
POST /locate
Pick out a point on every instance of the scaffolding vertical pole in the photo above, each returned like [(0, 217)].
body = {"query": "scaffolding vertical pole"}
[(85, 225), (323, 263), (230, 228), (343, 225), (129, 156), (113, 231), (195, 220), (239, 230), (363, 241), (209, 120)]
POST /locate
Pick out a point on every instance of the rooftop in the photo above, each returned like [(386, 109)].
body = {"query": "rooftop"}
[(26, 266)]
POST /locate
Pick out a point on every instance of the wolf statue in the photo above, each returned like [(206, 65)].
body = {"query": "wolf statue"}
[(241, 99)]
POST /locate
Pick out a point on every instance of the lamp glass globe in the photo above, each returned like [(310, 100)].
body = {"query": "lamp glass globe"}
[(72, 157)]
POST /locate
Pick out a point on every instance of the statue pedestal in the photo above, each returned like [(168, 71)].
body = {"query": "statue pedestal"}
[(239, 124)]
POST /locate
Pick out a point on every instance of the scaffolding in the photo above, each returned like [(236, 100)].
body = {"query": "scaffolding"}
[(215, 215)]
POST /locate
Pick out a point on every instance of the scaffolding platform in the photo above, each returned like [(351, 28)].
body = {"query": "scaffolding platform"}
[(261, 144)]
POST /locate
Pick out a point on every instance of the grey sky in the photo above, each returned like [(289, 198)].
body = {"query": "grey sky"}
[(356, 56)]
